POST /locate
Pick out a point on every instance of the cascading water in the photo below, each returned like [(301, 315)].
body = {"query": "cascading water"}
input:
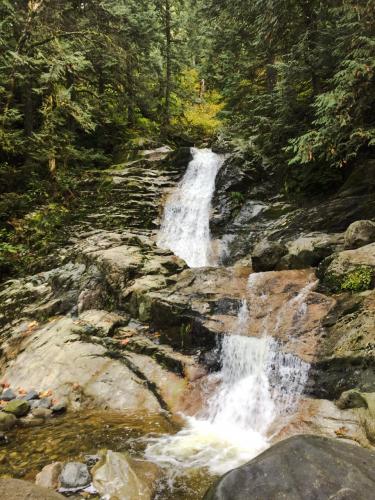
[(258, 382), (185, 226)]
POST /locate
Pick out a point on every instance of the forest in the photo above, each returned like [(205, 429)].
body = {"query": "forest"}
[(286, 83)]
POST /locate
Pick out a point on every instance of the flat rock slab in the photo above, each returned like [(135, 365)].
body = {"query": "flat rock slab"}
[(15, 489), (302, 468)]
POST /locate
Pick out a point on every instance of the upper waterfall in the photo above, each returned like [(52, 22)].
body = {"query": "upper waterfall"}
[(185, 227)]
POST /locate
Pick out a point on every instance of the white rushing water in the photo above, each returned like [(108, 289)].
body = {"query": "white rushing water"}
[(258, 381), (185, 227)]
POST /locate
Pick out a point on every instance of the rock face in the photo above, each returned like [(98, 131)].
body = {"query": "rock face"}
[(118, 476), (14, 489), (301, 468)]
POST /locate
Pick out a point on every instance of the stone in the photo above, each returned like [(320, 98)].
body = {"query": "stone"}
[(103, 322), (350, 270), (45, 403), (302, 467), (4, 440), (15, 489), (48, 477), (351, 399), (74, 475), (267, 255), (17, 407), (31, 396), (60, 407), (41, 412), (119, 476), (360, 233), (7, 421), (310, 249), (8, 395)]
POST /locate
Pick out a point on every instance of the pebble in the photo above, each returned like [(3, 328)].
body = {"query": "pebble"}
[(8, 395), (41, 412), (31, 395), (59, 407)]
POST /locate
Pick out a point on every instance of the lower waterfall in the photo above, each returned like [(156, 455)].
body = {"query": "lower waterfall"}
[(185, 227), (257, 383)]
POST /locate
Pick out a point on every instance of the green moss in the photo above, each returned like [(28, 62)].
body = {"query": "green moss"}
[(358, 280)]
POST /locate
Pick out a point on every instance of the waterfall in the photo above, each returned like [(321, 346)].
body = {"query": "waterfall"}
[(185, 226), (258, 382)]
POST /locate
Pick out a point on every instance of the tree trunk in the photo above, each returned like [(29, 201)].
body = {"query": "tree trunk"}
[(168, 61)]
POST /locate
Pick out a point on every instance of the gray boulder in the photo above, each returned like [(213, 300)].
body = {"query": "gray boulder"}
[(267, 255), (360, 233), (74, 476), (302, 468)]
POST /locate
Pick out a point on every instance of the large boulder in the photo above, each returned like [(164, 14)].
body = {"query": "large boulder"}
[(118, 476), (15, 489), (360, 233), (350, 270), (266, 256), (302, 468)]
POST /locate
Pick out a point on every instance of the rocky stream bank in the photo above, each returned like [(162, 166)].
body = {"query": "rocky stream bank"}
[(121, 329)]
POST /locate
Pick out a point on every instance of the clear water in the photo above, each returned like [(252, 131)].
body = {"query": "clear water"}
[(185, 227)]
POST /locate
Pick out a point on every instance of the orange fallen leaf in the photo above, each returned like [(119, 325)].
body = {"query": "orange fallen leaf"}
[(22, 391), (5, 385), (46, 394), (124, 342), (76, 387)]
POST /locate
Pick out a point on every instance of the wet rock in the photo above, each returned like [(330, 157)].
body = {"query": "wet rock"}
[(351, 399), (267, 255), (41, 412), (360, 233), (302, 467), (44, 403), (119, 476), (48, 477), (15, 489), (4, 440), (8, 395), (103, 322), (60, 407), (74, 475), (345, 356), (30, 421), (351, 270), (7, 421), (31, 395), (17, 407), (309, 250), (91, 460)]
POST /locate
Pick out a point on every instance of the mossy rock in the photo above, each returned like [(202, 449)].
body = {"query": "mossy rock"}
[(18, 407), (359, 279), (7, 421)]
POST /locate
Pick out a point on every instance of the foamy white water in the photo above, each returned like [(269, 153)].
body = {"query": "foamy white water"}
[(185, 227), (257, 383)]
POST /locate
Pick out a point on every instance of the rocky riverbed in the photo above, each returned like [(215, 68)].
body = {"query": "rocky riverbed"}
[(120, 328)]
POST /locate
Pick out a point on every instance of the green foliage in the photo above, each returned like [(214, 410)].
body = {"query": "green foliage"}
[(298, 80), (358, 280)]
